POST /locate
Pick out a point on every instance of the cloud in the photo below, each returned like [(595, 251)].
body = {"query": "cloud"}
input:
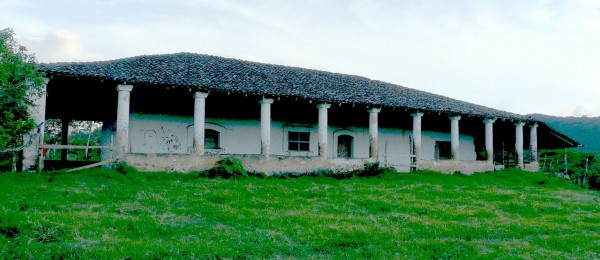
[(583, 110), (525, 57), (59, 46)]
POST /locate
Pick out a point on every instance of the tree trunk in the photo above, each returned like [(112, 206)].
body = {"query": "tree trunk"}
[(88, 140)]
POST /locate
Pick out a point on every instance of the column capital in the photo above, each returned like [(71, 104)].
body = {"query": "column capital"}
[(266, 101), (535, 124), (489, 120), (324, 105), (519, 123), (127, 88), (417, 114), (455, 117), (200, 94), (374, 110)]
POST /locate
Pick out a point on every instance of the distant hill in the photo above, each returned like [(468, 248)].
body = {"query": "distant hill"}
[(585, 130)]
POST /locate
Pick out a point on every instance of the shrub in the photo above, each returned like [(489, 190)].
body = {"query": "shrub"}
[(370, 170), (260, 175), (227, 168), (123, 168), (314, 174), (594, 181)]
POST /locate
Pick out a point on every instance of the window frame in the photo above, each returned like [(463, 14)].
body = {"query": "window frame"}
[(351, 145), (443, 147), (302, 141), (209, 132)]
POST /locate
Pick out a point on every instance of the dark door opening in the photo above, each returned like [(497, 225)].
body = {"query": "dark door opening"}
[(344, 147)]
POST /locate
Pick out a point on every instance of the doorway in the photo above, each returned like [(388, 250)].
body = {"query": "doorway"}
[(344, 146)]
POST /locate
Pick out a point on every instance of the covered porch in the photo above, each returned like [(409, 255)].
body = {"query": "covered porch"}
[(283, 133)]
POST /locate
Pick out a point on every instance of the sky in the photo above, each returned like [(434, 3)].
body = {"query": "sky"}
[(534, 56)]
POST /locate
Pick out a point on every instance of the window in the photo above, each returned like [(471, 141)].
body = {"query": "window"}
[(443, 150), (298, 141), (211, 139)]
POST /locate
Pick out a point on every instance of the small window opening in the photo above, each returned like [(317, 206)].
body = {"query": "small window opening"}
[(443, 150), (211, 139), (298, 141)]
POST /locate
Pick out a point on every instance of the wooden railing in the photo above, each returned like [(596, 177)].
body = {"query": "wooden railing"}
[(65, 147)]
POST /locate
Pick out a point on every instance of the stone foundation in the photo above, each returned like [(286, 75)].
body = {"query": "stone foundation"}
[(452, 166), (281, 164), (271, 165), (532, 167)]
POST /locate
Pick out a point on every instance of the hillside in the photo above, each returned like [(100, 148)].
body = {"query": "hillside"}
[(99, 214), (585, 130)]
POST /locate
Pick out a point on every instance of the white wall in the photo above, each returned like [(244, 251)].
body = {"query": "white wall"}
[(160, 134), (151, 133), (467, 145)]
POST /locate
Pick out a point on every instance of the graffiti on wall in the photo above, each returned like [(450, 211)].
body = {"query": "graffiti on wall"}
[(162, 140)]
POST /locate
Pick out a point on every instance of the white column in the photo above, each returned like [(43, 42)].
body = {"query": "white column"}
[(265, 126), (519, 143), (122, 140), (373, 132), (417, 134), (533, 142), (489, 138), (32, 154), (455, 139), (323, 129), (199, 119)]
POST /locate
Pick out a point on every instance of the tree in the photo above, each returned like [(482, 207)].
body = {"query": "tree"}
[(20, 84), (582, 168)]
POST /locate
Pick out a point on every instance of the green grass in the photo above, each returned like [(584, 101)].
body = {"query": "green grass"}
[(105, 214)]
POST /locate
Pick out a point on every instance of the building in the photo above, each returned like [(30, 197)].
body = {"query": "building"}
[(183, 112)]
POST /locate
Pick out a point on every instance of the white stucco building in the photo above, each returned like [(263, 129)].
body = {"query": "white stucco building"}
[(183, 112)]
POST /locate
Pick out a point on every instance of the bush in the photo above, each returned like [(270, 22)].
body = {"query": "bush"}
[(368, 170), (227, 168), (123, 168), (260, 175), (583, 169), (594, 181)]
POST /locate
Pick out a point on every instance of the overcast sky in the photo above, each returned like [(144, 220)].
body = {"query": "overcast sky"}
[(534, 56)]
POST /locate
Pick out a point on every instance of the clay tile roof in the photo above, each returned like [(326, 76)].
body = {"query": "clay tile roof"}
[(205, 72)]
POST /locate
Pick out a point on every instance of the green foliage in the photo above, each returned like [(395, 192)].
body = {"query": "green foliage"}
[(227, 168), (594, 182), (101, 214), (582, 168), (256, 174), (20, 83), (80, 133), (482, 155), (368, 170), (123, 168)]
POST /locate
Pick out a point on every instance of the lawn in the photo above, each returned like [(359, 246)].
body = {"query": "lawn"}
[(105, 214)]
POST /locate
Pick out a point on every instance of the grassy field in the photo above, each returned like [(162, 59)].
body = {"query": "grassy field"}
[(105, 214)]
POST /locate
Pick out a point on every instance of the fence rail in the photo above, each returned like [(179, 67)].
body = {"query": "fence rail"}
[(61, 146)]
